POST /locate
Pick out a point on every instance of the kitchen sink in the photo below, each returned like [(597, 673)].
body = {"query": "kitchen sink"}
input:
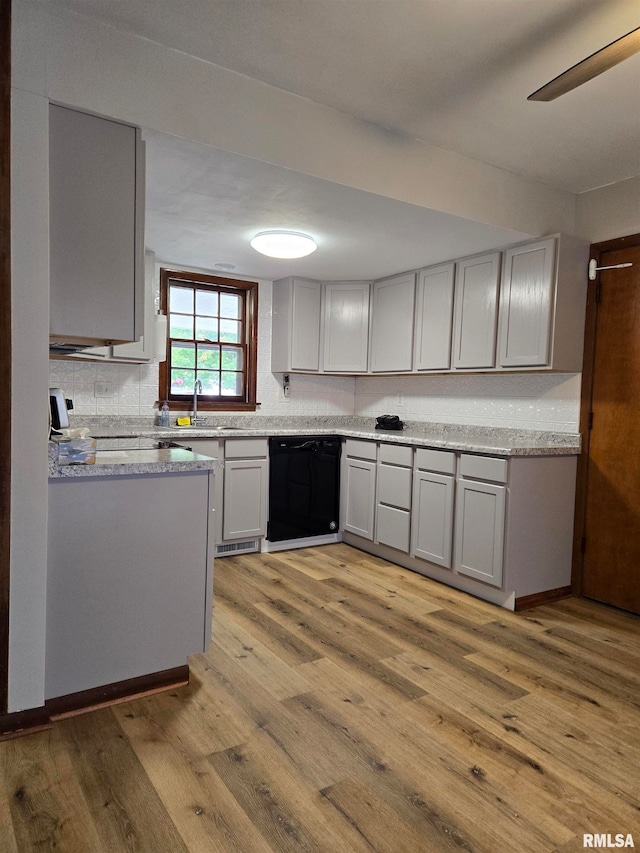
[(205, 428)]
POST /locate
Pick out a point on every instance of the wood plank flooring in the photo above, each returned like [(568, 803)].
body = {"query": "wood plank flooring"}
[(349, 705)]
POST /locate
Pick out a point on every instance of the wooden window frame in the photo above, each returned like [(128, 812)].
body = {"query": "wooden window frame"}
[(250, 342)]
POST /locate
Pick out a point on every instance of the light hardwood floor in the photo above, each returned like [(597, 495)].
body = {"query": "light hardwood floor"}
[(349, 705)]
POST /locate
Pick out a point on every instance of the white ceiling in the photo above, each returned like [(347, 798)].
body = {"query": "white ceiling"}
[(455, 73)]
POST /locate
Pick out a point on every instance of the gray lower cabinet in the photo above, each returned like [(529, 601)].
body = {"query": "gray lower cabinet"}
[(129, 577), (246, 481), (359, 496), (211, 447), (393, 498), (479, 530), (432, 517)]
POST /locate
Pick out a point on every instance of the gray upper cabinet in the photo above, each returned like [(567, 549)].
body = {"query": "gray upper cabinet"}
[(346, 326), (526, 304), (296, 325), (434, 317), (476, 311), (96, 198), (391, 344)]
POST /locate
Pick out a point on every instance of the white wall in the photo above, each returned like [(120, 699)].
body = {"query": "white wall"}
[(609, 212), (136, 385), (519, 401)]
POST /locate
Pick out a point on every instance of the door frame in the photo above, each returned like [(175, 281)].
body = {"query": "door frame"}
[(586, 395), (5, 343)]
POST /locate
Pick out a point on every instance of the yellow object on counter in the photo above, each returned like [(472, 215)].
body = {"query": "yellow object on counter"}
[(183, 421)]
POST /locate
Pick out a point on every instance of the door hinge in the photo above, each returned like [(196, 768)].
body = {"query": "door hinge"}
[(598, 292), (590, 421), (583, 544)]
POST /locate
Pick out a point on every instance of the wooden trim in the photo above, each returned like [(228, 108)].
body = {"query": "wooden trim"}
[(41, 719), (114, 694), (248, 404), (526, 602), (586, 393), (24, 723), (5, 343)]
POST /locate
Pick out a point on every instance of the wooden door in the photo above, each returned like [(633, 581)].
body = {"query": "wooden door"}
[(611, 568)]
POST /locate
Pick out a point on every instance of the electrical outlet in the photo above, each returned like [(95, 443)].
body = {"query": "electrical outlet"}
[(103, 389)]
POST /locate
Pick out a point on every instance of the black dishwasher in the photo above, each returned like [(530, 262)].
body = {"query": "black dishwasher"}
[(304, 486)]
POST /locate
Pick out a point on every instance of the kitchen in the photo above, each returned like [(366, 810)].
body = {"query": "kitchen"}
[(331, 394)]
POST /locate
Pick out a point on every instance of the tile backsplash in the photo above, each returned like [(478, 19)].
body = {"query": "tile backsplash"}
[(517, 400)]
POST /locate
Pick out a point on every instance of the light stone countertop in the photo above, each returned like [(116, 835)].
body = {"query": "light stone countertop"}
[(493, 441)]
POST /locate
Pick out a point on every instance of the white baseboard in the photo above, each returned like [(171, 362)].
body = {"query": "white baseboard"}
[(306, 542)]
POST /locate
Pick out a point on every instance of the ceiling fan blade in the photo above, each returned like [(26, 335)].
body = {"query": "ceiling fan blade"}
[(590, 67)]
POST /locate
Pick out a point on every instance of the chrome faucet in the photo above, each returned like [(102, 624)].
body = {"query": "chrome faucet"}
[(197, 389)]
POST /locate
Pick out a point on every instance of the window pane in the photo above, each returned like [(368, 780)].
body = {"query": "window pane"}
[(181, 299), (231, 384), (206, 329), (208, 357), (207, 303), (182, 381), (181, 326), (183, 355), (231, 358), (230, 331), (210, 382), (230, 305)]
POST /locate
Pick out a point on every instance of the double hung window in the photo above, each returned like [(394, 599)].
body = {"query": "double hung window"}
[(211, 337)]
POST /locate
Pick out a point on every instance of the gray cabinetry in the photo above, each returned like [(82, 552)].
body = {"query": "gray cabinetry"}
[(358, 488), (480, 518), (391, 343), (296, 325), (96, 200), (476, 311), (211, 447), (434, 318), (246, 474), (526, 304), (129, 577), (432, 506), (393, 510), (346, 326)]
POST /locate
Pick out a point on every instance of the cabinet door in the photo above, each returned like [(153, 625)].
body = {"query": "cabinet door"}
[(526, 301), (432, 517), (434, 318), (359, 494), (479, 530), (392, 527), (96, 226), (476, 311), (346, 326), (391, 346), (245, 498), (305, 333)]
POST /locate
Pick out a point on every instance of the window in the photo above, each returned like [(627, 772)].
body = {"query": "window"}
[(211, 337)]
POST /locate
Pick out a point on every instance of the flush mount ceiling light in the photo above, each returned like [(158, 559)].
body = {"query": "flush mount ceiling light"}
[(283, 244)]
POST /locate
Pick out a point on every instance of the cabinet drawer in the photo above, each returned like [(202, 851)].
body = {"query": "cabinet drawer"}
[(360, 449), (392, 527), (396, 454), (394, 486), (205, 446), (245, 448), (483, 468), (440, 461)]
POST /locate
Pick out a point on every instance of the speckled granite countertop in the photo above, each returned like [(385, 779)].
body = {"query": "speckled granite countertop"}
[(472, 439), (122, 462)]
